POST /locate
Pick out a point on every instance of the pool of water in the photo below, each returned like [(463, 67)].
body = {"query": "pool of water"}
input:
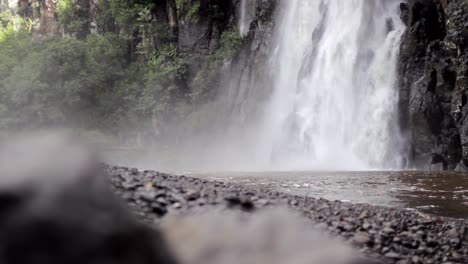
[(439, 193)]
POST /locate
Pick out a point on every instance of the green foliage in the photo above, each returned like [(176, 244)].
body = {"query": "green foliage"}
[(14, 43), (34, 89), (11, 25), (62, 81), (207, 78), (193, 11), (85, 83), (231, 42), (163, 72), (188, 9), (65, 11), (166, 65), (69, 16), (180, 4), (125, 14), (127, 74)]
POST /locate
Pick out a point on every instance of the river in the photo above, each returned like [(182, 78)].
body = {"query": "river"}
[(439, 193)]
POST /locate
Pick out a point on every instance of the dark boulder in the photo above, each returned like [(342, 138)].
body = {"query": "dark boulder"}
[(55, 207)]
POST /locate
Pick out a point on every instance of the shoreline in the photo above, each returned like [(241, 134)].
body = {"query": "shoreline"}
[(390, 235)]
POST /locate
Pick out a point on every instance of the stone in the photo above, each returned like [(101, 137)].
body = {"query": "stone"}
[(388, 230), (59, 209), (393, 255), (416, 260), (361, 239)]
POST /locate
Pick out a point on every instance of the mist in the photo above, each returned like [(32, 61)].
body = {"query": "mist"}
[(242, 99), (328, 103)]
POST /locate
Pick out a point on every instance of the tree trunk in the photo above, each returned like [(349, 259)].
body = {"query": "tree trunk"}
[(172, 16)]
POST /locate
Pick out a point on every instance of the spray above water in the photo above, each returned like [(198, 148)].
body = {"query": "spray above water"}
[(326, 98), (334, 104)]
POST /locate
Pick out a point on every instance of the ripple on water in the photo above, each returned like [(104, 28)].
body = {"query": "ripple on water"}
[(441, 193)]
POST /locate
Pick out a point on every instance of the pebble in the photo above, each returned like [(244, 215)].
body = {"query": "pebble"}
[(397, 236), (361, 239), (393, 255)]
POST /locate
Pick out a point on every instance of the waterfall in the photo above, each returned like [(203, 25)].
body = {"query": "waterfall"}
[(334, 101), (315, 91), (246, 15)]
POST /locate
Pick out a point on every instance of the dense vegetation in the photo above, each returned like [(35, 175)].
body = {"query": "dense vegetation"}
[(115, 80)]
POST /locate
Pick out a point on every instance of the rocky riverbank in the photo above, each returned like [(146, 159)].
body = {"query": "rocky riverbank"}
[(385, 234), (60, 208)]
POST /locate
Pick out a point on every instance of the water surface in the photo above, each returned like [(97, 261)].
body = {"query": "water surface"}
[(439, 193)]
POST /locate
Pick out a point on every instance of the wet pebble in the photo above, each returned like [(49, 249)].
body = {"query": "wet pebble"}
[(397, 236)]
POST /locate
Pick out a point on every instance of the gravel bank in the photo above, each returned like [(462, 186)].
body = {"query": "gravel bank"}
[(390, 235)]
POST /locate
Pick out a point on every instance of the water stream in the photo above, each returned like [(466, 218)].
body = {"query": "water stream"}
[(246, 15)]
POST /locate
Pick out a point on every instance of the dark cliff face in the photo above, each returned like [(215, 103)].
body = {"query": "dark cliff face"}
[(202, 36), (246, 74), (228, 77), (433, 83)]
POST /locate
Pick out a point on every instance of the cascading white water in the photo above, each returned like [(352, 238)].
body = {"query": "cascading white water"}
[(242, 19), (246, 15), (334, 104)]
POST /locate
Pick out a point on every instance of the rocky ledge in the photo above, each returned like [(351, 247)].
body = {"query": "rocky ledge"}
[(383, 234), (433, 81)]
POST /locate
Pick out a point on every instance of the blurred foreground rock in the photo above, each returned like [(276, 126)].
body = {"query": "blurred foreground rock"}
[(56, 207), (271, 236)]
